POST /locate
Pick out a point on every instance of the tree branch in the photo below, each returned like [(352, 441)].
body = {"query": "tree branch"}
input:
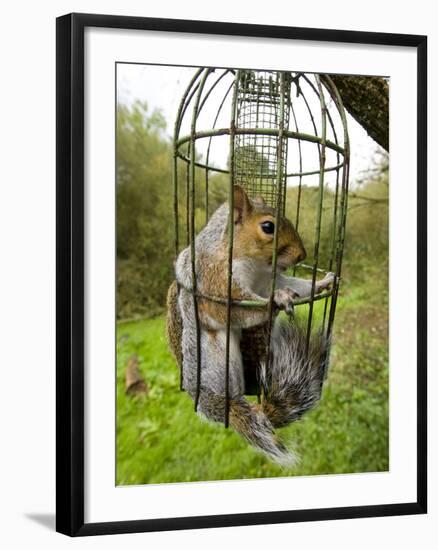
[(364, 198), (366, 98)]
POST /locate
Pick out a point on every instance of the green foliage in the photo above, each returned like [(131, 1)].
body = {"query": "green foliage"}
[(144, 193), (367, 235)]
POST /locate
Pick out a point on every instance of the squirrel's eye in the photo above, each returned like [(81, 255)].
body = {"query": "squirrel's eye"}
[(267, 227)]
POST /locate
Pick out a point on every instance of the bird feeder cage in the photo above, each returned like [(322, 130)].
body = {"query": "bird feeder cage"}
[(281, 136)]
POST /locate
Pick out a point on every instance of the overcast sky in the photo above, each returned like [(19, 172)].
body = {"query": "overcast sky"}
[(162, 87)]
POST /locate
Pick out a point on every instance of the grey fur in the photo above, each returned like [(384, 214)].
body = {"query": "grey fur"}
[(209, 238), (293, 383)]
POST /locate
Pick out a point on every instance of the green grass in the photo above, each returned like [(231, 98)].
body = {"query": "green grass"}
[(160, 439)]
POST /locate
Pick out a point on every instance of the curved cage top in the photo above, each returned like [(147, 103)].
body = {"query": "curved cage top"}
[(258, 105)]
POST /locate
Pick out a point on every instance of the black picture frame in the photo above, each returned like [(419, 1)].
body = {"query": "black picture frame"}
[(70, 273)]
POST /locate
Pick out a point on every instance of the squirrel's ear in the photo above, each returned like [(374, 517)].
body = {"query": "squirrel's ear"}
[(260, 201), (242, 204)]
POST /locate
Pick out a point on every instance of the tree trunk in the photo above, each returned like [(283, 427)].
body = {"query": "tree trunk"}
[(366, 98)]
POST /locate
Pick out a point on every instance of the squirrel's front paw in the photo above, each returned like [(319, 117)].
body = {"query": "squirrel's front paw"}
[(284, 299), (325, 283)]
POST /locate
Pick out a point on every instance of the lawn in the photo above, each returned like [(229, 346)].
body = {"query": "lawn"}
[(160, 439)]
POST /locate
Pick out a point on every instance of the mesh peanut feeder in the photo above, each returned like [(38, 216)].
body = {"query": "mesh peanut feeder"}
[(287, 142)]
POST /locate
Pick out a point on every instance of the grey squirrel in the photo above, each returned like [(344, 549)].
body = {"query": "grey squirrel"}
[(292, 382)]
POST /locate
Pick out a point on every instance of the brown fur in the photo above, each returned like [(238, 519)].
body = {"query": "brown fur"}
[(251, 241)]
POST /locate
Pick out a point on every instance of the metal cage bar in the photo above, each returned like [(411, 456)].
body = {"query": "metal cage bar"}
[(192, 235), (230, 248), (257, 131), (177, 128), (300, 160), (343, 205), (319, 212), (280, 200)]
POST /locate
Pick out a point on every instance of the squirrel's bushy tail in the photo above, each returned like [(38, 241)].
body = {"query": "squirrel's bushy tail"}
[(292, 384), (293, 381), (250, 421)]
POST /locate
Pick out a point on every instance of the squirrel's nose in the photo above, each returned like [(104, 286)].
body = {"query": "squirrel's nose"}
[(301, 256)]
